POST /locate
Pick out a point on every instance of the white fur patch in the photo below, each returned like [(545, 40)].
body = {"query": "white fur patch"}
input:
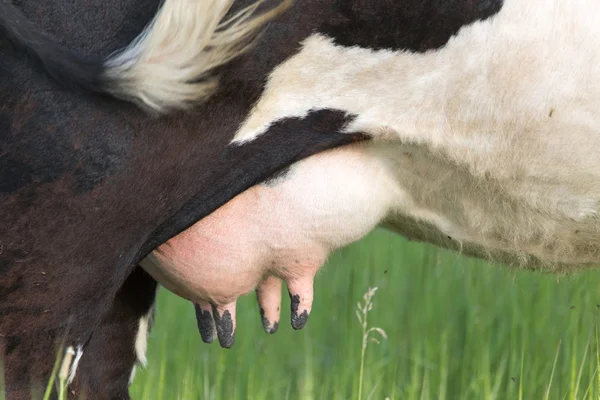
[(141, 340), (132, 375), (75, 364)]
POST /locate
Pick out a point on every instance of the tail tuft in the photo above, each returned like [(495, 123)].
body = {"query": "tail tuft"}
[(169, 65)]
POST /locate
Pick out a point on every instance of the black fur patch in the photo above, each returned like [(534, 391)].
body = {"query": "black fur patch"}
[(416, 25)]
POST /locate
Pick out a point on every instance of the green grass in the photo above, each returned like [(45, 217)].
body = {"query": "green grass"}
[(456, 328)]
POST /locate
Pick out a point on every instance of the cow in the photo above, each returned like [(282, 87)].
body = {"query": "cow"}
[(487, 166), (484, 111)]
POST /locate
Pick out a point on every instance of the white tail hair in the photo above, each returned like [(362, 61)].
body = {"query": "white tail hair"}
[(169, 65)]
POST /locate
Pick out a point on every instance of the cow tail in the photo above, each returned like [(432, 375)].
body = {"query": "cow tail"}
[(57, 61), (168, 66)]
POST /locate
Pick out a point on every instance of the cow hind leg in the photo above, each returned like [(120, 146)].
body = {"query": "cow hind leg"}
[(107, 364)]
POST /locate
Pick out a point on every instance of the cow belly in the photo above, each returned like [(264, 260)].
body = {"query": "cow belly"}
[(527, 217), (286, 228)]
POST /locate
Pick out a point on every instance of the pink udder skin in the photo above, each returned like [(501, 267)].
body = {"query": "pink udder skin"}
[(281, 230)]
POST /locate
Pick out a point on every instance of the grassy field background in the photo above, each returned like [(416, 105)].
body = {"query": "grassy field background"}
[(456, 328)]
